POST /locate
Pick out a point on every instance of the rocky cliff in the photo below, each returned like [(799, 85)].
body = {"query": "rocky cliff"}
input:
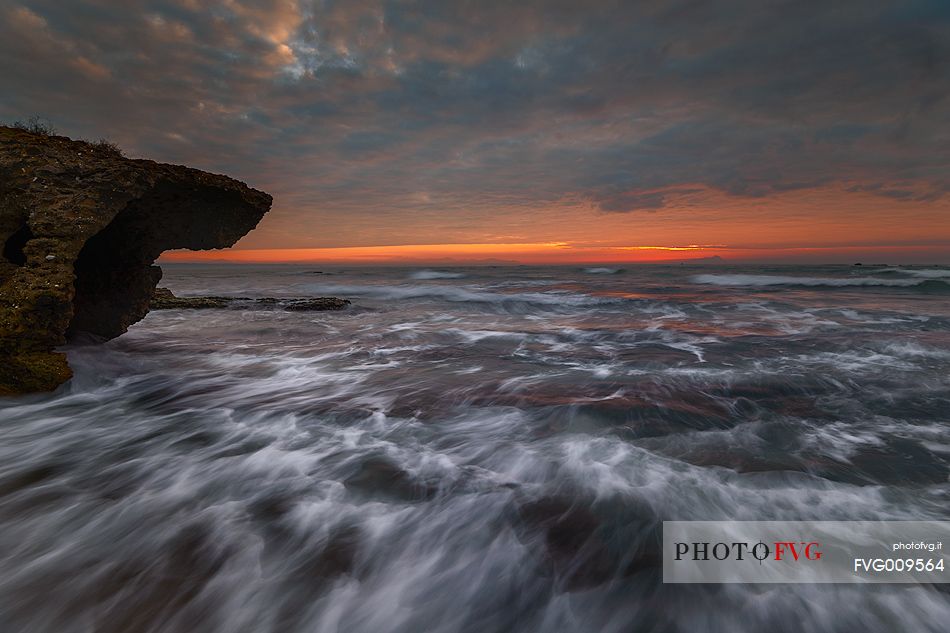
[(80, 227)]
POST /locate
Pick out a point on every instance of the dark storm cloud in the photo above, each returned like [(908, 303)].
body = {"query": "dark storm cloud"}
[(375, 107)]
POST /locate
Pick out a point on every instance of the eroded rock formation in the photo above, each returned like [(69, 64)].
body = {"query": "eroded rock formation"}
[(164, 299), (80, 227)]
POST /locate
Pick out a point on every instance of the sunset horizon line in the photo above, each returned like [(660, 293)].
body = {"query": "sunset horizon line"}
[(563, 253)]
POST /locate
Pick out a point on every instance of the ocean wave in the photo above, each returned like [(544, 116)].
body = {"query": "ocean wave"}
[(831, 282), (603, 271), (911, 349), (435, 274), (301, 472), (923, 273), (460, 294)]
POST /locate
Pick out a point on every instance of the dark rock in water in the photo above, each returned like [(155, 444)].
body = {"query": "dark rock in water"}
[(336, 557), (80, 227), (568, 526), (583, 543), (572, 542), (319, 303), (163, 299), (272, 507), (318, 565), (897, 461), (378, 477)]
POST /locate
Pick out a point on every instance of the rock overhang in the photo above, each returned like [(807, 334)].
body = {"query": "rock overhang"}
[(80, 228)]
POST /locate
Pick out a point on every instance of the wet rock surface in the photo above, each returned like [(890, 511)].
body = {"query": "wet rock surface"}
[(317, 304), (379, 478), (80, 227), (582, 543), (164, 299)]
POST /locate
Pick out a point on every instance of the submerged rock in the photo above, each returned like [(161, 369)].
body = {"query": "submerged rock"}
[(319, 303), (378, 477), (163, 299), (583, 543), (80, 227)]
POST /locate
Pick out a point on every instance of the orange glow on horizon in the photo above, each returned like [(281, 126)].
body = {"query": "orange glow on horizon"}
[(530, 253), (691, 247), (520, 253)]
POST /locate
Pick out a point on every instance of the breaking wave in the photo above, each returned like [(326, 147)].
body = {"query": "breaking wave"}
[(830, 282), (924, 273), (470, 457), (603, 271), (473, 294), (435, 274)]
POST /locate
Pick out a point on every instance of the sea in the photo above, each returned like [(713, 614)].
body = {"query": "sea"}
[(476, 449)]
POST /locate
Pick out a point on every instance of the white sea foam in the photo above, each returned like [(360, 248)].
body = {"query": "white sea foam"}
[(446, 465), (435, 274), (911, 349), (784, 280), (923, 273), (460, 294), (603, 271)]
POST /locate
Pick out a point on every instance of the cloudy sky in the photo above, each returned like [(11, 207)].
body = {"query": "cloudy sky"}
[(554, 130)]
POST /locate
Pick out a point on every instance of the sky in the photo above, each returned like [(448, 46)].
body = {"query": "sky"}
[(537, 131)]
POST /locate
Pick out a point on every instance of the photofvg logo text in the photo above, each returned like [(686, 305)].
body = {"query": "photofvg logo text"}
[(704, 550), (805, 551)]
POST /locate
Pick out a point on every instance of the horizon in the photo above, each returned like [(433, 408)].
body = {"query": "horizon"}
[(608, 131), (503, 255)]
